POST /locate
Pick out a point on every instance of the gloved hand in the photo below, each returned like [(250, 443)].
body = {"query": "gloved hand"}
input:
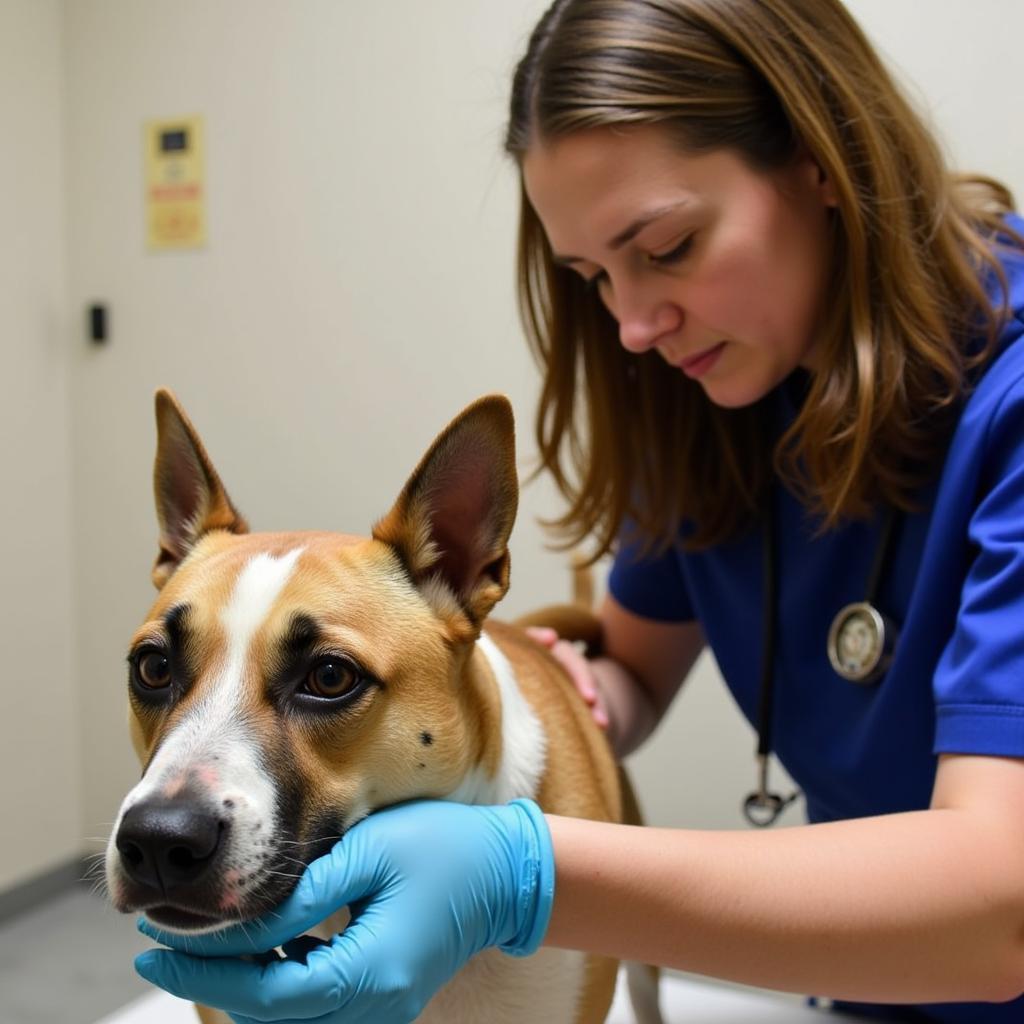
[(429, 884)]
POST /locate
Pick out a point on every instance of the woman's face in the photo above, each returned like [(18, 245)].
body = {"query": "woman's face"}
[(718, 268)]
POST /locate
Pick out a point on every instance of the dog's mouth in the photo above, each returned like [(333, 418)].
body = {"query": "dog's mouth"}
[(213, 906), (179, 920)]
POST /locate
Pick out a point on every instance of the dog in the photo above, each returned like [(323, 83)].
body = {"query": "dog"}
[(286, 685)]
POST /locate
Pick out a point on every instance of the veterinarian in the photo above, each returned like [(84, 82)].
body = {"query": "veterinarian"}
[(784, 384)]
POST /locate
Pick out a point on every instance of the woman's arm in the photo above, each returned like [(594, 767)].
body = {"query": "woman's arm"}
[(644, 664), (916, 907)]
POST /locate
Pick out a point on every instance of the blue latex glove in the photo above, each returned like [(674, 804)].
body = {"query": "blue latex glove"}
[(429, 884)]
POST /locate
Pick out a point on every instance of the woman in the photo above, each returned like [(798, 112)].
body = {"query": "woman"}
[(782, 350)]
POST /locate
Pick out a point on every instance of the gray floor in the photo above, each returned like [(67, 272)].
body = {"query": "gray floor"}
[(68, 961)]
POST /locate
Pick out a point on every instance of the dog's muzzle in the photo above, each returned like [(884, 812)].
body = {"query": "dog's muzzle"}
[(173, 861)]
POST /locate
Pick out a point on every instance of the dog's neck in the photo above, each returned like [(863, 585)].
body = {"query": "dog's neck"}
[(517, 746)]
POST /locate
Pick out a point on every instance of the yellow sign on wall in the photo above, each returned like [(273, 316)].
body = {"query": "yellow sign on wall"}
[(175, 186)]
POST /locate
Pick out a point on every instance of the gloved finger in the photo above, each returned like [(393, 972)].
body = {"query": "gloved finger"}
[(240, 1018), (330, 1018), (253, 938), (281, 991), (325, 887)]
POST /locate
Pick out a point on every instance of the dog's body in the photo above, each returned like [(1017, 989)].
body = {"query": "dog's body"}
[(286, 685)]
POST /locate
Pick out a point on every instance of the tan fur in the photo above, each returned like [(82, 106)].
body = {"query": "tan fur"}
[(208, 1016), (598, 990)]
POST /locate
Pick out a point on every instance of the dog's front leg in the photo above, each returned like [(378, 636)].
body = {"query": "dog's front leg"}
[(208, 1016)]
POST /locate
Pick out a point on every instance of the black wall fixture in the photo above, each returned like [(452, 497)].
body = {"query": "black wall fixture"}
[(98, 324)]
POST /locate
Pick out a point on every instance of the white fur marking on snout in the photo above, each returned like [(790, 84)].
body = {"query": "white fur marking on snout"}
[(258, 587), (213, 731), (523, 743)]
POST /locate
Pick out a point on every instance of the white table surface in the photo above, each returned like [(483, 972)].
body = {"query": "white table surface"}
[(682, 1002)]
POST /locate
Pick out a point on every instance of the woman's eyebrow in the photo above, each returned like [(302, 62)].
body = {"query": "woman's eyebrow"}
[(628, 234)]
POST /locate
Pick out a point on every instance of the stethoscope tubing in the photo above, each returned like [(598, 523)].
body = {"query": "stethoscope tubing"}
[(763, 806)]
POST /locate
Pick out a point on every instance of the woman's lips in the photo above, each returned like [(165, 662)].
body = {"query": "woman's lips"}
[(698, 365)]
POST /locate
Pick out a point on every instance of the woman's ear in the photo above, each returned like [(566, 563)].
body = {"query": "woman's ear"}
[(816, 178), (807, 175), (827, 187)]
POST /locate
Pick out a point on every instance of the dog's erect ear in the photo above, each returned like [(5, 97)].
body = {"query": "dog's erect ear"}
[(452, 521), (190, 499)]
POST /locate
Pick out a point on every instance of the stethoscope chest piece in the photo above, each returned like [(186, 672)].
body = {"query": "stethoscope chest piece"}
[(861, 642)]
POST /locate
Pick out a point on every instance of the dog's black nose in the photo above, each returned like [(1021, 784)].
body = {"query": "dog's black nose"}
[(166, 844)]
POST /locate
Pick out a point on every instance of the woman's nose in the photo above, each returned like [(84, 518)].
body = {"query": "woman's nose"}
[(643, 319)]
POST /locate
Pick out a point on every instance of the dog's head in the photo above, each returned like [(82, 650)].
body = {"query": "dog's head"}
[(284, 685)]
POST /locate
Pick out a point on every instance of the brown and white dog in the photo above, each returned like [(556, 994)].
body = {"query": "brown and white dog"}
[(286, 685)]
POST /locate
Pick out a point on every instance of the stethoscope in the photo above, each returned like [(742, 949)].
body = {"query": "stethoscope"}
[(860, 645)]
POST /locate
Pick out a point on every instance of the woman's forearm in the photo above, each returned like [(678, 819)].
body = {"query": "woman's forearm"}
[(631, 712), (917, 907)]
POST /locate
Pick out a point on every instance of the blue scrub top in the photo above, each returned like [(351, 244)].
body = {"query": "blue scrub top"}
[(954, 586)]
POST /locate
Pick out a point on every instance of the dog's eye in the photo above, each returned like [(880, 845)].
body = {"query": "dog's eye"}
[(333, 677), (154, 669)]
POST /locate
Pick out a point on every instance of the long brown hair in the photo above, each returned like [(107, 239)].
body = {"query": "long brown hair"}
[(626, 435)]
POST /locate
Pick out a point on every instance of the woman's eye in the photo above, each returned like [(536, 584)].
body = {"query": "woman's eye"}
[(154, 670), (594, 283), (332, 678), (675, 254)]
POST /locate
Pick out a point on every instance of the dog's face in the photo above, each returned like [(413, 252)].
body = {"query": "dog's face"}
[(285, 685)]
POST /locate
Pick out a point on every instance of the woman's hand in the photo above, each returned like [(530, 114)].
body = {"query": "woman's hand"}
[(428, 884), (580, 670)]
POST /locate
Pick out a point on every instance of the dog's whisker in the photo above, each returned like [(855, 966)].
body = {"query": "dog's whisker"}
[(238, 921), (307, 842), (245, 931), (94, 872), (98, 887), (299, 865), (293, 860)]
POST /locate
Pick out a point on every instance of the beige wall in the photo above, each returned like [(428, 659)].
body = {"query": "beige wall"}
[(960, 62), (355, 293), (40, 793)]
